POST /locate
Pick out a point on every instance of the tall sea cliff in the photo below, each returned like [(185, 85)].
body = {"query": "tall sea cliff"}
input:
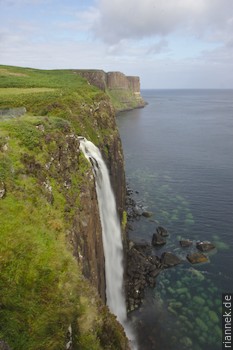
[(52, 276), (124, 91)]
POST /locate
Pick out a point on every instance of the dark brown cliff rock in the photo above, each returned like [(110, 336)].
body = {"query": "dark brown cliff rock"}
[(123, 90), (94, 77), (86, 236), (117, 80)]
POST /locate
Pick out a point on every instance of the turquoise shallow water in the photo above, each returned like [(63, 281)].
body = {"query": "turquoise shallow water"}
[(178, 153)]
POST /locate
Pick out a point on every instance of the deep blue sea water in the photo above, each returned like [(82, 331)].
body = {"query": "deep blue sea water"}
[(178, 155)]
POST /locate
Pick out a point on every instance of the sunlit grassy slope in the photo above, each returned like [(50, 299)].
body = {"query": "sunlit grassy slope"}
[(42, 290)]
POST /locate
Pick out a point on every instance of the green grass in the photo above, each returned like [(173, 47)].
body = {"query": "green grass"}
[(56, 93), (34, 78), (122, 99), (19, 91), (42, 290), (39, 278)]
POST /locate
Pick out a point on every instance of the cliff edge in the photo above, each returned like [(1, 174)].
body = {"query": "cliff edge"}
[(52, 277), (123, 90)]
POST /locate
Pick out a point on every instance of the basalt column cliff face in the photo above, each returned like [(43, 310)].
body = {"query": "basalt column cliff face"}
[(87, 232), (123, 90)]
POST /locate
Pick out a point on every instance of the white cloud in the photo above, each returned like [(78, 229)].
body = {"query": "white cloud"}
[(150, 38), (158, 47), (137, 19)]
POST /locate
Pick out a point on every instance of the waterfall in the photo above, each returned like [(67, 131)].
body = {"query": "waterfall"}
[(111, 234)]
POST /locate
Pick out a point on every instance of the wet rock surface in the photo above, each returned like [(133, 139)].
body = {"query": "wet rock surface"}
[(169, 259), (147, 214), (134, 211), (197, 258), (158, 240), (143, 264), (142, 269), (205, 246), (186, 243), (162, 231)]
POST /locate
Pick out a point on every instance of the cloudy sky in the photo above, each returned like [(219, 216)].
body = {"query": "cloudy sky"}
[(168, 43)]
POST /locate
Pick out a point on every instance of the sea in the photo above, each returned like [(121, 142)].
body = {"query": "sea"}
[(178, 159)]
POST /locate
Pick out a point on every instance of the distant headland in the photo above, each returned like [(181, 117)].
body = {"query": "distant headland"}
[(123, 90)]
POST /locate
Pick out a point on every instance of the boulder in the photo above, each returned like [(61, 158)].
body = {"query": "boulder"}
[(158, 240), (162, 231), (205, 246), (143, 248), (169, 259), (147, 214), (142, 270), (185, 243), (196, 258)]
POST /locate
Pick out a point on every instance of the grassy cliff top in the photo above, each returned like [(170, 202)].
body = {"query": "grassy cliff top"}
[(56, 93), (42, 289), (34, 78)]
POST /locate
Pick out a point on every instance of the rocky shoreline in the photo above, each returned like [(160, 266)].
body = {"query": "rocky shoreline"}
[(142, 263)]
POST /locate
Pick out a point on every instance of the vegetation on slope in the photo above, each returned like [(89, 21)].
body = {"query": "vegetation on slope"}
[(42, 290), (123, 100)]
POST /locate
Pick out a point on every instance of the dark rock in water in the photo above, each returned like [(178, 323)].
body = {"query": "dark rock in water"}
[(205, 246), (4, 346), (143, 248), (169, 259), (153, 259), (197, 258), (185, 243), (133, 211), (158, 240), (129, 191), (162, 231), (147, 214), (141, 273)]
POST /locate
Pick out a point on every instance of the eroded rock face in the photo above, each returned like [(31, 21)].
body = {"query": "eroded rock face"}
[(115, 163), (118, 80), (87, 231), (128, 86), (94, 77), (110, 80), (86, 236)]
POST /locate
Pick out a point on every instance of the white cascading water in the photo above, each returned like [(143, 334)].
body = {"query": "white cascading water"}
[(111, 234)]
